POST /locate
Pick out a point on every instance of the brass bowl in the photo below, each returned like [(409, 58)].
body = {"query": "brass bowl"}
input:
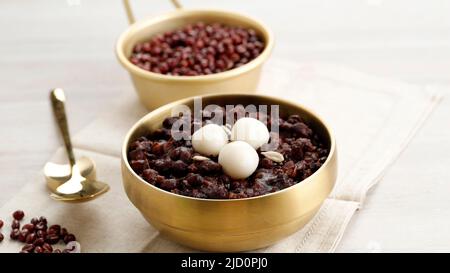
[(156, 89), (236, 224)]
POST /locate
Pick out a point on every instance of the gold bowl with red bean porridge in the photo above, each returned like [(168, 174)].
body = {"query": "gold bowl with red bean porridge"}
[(187, 53), (196, 204)]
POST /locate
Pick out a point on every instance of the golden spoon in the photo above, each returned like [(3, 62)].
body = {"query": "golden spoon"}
[(78, 188)]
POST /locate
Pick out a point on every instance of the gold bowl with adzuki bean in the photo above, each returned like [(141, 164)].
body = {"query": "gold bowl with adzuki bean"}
[(193, 52), (198, 49), (268, 187)]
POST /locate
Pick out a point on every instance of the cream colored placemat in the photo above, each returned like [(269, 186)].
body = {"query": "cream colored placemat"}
[(373, 119)]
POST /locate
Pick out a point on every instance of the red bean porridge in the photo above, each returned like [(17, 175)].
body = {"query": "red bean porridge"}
[(168, 163)]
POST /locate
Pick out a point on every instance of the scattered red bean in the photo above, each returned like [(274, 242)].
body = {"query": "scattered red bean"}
[(63, 233), (18, 215), (38, 238), (23, 235), (41, 234), (47, 248), (38, 249), (15, 234), (28, 247), (52, 239), (198, 49), (56, 228), (43, 220), (15, 224), (30, 227), (31, 238), (39, 242), (41, 226), (69, 238)]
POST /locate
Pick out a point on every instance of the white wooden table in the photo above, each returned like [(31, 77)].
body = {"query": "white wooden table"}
[(69, 43)]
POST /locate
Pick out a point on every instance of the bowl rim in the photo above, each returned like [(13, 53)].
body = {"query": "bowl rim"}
[(331, 155), (141, 24)]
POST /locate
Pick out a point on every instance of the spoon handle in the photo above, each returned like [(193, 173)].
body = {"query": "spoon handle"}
[(58, 100)]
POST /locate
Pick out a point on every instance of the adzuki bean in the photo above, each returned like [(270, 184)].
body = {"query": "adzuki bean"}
[(41, 233), (23, 235), (30, 227), (156, 157), (47, 248), (28, 247), (38, 238), (198, 49), (38, 249), (39, 242), (52, 239), (41, 226), (31, 238), (69, 238), (15, 234), (43, 220), (15, 224), (63, 233), (56, 229), (18, 215)]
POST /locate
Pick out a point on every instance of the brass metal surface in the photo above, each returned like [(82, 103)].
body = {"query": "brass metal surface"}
[(231, 225), (91, 190), (156, 89), (57, 174)]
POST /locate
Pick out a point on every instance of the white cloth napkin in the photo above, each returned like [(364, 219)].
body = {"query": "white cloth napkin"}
[(373, 119)]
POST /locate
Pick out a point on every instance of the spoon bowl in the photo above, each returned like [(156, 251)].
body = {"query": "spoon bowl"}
[(91, 189), (56, 173)]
